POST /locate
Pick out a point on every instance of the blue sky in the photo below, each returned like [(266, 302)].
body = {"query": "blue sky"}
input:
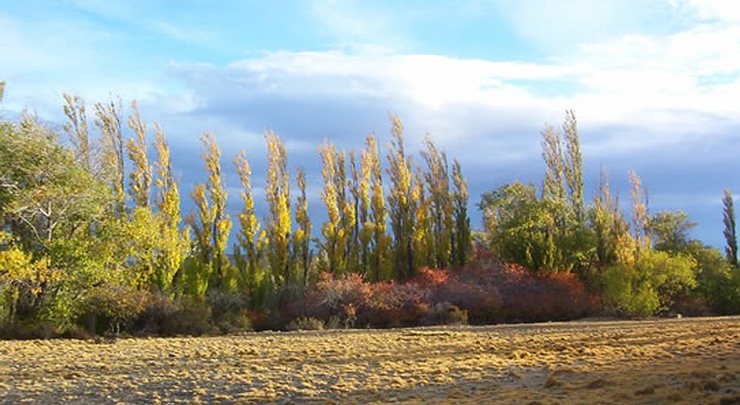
[(655, 84)]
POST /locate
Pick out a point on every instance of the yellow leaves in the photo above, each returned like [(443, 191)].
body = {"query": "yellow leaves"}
[(277, 192), (141, 175)]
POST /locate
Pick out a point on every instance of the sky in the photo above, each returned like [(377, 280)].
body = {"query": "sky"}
[(655, 84)]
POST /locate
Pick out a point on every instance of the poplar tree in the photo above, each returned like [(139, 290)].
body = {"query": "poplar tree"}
[(730, 233), (461, 246), (302, 235), (423, 234), (175, 245), (552, 154), (213, 225), (376, 224), (332, 228), (573, 166), (141, 174), (440, 202), (402, 208), (639, 211), (362, 199), (108, 120), (251, 240), (77, 130), (279, 223), (353, 185)]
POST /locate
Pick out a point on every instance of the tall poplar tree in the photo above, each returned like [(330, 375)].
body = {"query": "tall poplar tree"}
[(175, 245), (251, 240), (141, 174), (552, 154), (213, 225), (639, 211), (376, 224), (440, 198), (573, 166), (77, 129), (462, 242), (364, 225), (402, 208), (730, 232), (112, 150), (302, 236), (279, 223), (332, 229)]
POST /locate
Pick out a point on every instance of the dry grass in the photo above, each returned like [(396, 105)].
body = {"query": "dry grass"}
[(666, 361)]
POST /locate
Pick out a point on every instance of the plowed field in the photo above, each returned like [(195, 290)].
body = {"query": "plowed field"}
[(664, 361)]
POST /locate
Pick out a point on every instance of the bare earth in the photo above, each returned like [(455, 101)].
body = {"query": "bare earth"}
[(665, 361)]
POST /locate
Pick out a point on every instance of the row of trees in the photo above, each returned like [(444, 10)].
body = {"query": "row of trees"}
[(104, 215), (641, 262), (92, 229)]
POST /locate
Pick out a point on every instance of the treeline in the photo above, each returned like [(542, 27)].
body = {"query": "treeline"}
[(92, 231), (640, 263), (92, 239)]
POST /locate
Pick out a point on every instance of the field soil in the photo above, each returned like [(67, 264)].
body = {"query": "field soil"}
[(662, 361)]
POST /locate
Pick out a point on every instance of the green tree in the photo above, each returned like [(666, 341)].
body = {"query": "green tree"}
[(461, 246), (519, 226), (48, 204), (669, 230), (573, 166)]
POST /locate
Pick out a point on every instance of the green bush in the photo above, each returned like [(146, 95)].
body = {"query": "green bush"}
[(650, 285)]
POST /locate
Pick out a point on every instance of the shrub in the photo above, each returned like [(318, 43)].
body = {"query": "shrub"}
[(229, 311), (305, 324), (650, 285), (28, 329), (166, 317), (446, 314), (113, 308)]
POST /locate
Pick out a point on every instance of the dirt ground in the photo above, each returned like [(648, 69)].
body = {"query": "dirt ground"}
[(665, 361)]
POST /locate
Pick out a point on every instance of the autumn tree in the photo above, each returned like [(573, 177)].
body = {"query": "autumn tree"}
[(249, 253), (374, 229), (141, 174), (401, 207), (174, 243), (302, 236), (279, 222), (77, 130), (112, 151), (333, 230), (437, 180), (423, 235), (212, 225), (640, 217), (730, 233)]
